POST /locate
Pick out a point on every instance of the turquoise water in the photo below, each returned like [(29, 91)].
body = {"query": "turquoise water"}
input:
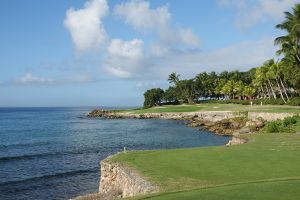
[(54, 153)]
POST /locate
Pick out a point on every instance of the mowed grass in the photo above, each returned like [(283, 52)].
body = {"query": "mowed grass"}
[(268, 167), (218, 107), (275, 190)]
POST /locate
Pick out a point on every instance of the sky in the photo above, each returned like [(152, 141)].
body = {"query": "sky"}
[(108, 52)]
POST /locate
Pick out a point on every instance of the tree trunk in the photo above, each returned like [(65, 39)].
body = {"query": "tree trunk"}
[(190, 100), (271, 86), (284, 89), (263, 92), (268, 90), (297, 50), (281, 95)]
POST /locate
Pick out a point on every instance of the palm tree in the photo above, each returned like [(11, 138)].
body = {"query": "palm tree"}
[(274, 74), (174, 78), (267, 70), (248, 91), (289, 44), (230, 88), (262, 77), (279, 69), (187, 90)]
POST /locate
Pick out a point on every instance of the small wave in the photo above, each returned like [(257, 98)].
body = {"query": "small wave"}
[(81, 117), (29, 156), (50, 176), (18, 145), (61, 153)]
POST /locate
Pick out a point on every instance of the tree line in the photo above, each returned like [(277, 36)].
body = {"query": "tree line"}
[(275, 79)]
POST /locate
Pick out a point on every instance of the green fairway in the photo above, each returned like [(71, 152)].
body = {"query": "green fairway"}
[(269, 190), (219, 107), (255, 169)]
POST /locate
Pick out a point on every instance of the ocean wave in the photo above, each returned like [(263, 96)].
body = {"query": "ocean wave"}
[(18, 145), (50, 176), (28, 156), (59, 153)]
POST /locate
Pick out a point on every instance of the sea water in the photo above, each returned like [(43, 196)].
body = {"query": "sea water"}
[(54, 153)]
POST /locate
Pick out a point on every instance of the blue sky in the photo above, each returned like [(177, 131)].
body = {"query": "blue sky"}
[(108, 52)]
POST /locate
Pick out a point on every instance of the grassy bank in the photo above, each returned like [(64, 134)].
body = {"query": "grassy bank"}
[(219, 107), (266, 168)]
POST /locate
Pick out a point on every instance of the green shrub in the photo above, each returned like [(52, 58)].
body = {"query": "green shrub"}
[(290, 121), (272, 127), (294, 101), (287, 125)]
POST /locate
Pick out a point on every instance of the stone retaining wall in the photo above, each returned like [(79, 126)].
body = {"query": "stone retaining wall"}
[(120, 181), (268, 116)]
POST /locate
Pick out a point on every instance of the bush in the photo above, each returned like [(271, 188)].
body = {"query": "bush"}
[(290, 121), (294, 101), (272, 127), (287, 125)]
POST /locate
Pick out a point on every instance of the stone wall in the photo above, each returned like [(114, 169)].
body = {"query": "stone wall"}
[(268, 116), (212, 116), (121, 181)]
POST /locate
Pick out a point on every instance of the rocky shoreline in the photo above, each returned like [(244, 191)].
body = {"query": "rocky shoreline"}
[(219, 122), (120, 181)]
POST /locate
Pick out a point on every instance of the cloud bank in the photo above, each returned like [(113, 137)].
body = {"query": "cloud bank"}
[(250, 13), (85, 25), (29, 80), (124, 57), (138, 14), (173, 48)]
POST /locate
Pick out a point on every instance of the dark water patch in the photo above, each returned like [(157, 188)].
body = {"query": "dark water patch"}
[(60, 153), (48, 188), (24, 145), (60, 175)]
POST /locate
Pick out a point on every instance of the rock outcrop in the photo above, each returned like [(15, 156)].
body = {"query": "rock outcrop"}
[(121, 181), (226, 126), (211, 116), (236, 141)]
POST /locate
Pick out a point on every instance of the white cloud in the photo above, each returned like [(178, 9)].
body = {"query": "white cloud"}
[(237, 3), (175, 49), (188, 37), (250, 13), (240, 56), (124, 57), (148, 67), (158, 50), (29, 79), (139, 14), (85, 25), (142, 17), (147, 84), (127, 49)]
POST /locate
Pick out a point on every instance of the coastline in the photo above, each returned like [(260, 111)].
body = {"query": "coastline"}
[(116, 180), (227, 123)]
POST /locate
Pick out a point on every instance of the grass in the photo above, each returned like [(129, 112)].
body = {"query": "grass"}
[(268, 167), (219, 107), (272, 190)]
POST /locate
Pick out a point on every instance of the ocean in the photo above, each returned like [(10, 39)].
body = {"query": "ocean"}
[(54, 153)]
